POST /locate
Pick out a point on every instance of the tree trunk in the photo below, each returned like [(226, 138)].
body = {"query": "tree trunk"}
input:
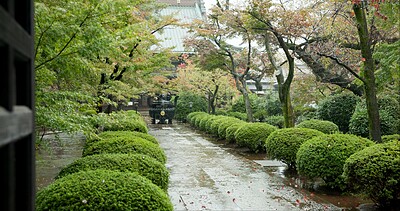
[(283, 86), (369, 75), (241, 86)]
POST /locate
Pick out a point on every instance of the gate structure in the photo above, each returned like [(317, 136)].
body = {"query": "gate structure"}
[(17, 146)]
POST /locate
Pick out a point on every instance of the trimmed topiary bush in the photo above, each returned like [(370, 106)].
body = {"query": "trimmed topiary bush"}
[(389, 113), (277, 121), (213, 129), (224, 125), (124, 134), (203, 122), (209, 121), (125, 146), (231, 130), (144, 165), (119, 121), (388, 138), (198, 119), (320, 125), (338, 109), (324, 156), (191, 117), (375, 171), (253, 135), (283, 144), (102, 190)]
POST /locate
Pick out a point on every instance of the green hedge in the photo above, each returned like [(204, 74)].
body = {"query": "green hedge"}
[(144, 165), (324, 156), (124, 134), (326, 127), (122, 145), (198, 118), (102, 190), (206, 125), (375, 171), (224, 125), (338, 109), (191, 117), (253, 135), (387, 138), (283, 144), (231, 130), (213, 128), (120, 120)]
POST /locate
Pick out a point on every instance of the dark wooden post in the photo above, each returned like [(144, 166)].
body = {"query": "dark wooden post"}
[(17, 146)]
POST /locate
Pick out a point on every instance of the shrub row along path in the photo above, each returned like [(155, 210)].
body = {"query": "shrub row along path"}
[(204, 176)]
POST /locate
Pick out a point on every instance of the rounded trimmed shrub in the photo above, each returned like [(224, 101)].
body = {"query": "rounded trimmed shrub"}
[(277, 121), (191, 117), (338, 109), (392, 137), (375, 171), (389, 113), (213, 129), (144, 165), (199, 118), (124, 134), (121, 120), (253, 135), (283, 144), (102, 190), (326, 127), (231, 130), (324, 156), (125, 146), (208, 122), (224, 125)]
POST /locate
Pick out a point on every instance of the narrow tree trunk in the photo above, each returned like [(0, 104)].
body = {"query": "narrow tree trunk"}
[(283, 86), (369, 75), (242, 88)]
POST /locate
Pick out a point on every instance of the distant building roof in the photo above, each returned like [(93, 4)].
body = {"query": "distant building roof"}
[(186, 12)]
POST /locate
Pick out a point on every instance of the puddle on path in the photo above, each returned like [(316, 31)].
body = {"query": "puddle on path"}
[(346, 202), (54, 155)]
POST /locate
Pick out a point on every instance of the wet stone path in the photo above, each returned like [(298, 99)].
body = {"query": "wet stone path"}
[(204, 176)]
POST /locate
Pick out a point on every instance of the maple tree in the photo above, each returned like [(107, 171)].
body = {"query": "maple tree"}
[(216, 85), (213, 40)]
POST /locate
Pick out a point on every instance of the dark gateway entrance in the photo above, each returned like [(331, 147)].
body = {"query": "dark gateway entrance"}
[(17, 147)]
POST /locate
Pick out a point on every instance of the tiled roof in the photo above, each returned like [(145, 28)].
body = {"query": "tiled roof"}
[(174, 36)]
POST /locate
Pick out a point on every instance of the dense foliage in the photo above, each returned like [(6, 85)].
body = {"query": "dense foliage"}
[(125, 146), (144, 165), (224, 126), (283, 144), (231, 130), (186, 99), (389, 111), (102, 190), (324, 156), (375, 171), (253, 135), (112, 134), (321, 125), (277, 121), (338, 109)]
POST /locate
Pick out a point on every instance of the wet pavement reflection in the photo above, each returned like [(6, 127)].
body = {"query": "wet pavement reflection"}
[(206, 175)]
